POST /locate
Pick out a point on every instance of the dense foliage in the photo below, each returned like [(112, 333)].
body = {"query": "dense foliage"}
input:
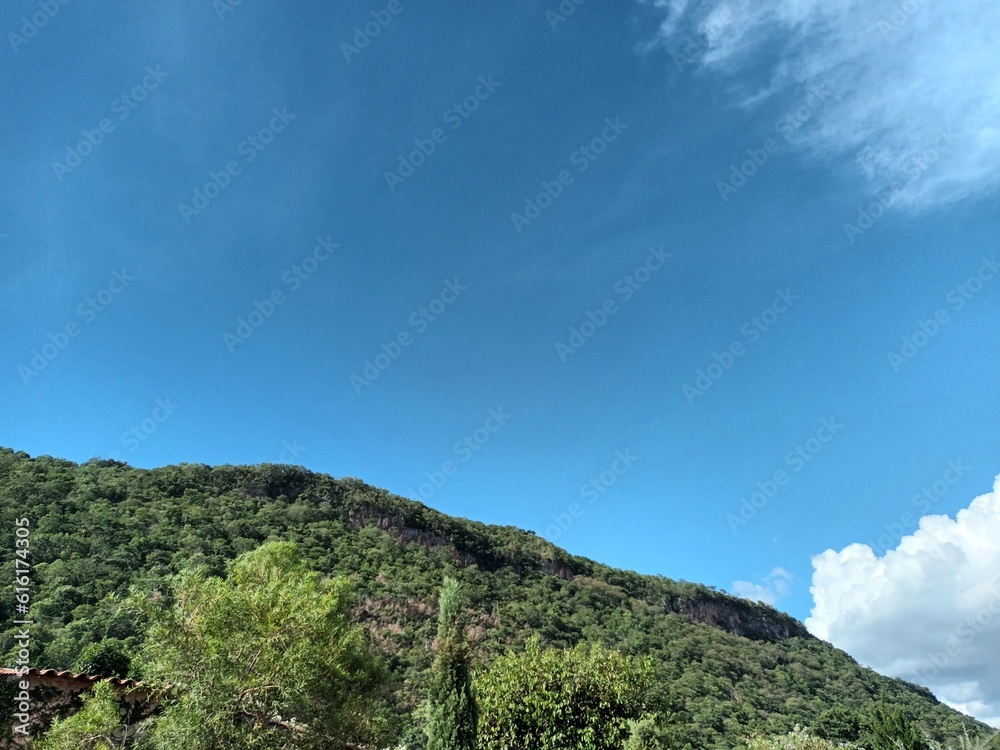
[(891, 730), (266, 658), (553, 699), (724, 668), (647, 734), (110, 658)]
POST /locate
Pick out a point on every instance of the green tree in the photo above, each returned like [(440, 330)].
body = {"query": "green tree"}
[(839, 725), (645, 734), (452, 712), (555, 699), (264, 658), (107, 658), (891, 730), (97, 725)]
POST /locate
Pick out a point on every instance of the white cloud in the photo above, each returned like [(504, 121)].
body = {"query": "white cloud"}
[(774, 587), (903, 72), (928, 611)]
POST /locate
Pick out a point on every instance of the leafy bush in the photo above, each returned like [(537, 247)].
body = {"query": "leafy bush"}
[(109, 658), (645, 734), (562, 699)]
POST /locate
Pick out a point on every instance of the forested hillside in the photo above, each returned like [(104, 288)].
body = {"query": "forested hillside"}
[(725, 667)]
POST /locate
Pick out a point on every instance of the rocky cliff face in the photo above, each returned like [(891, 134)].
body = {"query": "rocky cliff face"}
[(359, 517), (737, 616), (409, 522), (741, 618)]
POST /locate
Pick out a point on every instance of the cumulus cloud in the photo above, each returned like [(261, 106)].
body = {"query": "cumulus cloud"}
[(927, 611), (916, 105), (775, 586)]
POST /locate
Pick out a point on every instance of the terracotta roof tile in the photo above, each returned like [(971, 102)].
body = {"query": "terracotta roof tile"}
[(75, 676)]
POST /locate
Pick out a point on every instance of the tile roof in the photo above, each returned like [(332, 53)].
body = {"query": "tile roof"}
[(71, 676)]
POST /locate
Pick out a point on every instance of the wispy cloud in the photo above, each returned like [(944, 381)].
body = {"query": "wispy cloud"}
[(904, 73), (927, 611), (775, 586)]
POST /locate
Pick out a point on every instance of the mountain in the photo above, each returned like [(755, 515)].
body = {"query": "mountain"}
[(725, 666)]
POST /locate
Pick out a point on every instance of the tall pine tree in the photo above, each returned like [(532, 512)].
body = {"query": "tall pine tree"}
[(452, 713), (891, 730)]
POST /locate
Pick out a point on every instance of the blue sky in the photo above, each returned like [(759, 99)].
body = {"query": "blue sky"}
[(614, 271)]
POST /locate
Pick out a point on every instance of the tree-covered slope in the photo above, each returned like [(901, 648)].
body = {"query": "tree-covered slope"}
[(724, 666)]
